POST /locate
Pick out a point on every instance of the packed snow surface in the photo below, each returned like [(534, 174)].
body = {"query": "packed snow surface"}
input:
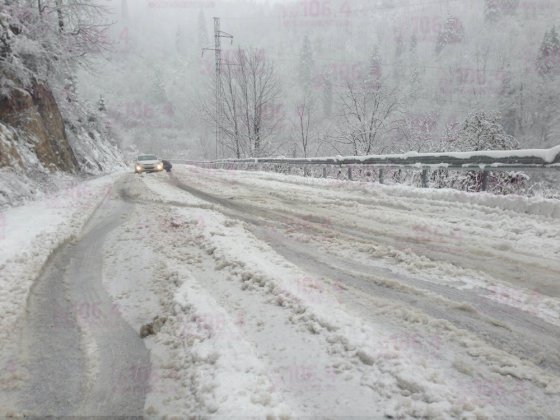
[(274, 295)]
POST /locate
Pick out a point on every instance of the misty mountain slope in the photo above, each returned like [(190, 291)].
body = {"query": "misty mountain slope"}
[(439, 62)]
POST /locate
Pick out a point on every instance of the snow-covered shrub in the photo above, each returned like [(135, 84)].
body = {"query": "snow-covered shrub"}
[(497, 182), (481, 131)]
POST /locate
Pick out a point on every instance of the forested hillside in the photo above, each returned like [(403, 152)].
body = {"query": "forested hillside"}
[(426, 76)]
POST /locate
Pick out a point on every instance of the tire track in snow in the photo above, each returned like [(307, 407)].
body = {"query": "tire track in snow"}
[(400, 224), (71, 371)]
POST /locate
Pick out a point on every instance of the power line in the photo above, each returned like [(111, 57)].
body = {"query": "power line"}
[(218, 35)]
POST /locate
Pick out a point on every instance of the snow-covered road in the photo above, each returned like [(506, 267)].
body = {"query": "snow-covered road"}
[(293, 296)]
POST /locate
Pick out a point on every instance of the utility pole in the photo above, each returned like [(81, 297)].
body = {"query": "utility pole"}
[(218, 35)]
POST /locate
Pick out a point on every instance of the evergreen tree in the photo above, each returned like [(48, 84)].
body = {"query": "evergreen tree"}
[(398, 65), (413, 43), (509, 105), (546, 118), (496, 9), (509, 7), (492, 10), (452, 33), (101, 104), (319, 45), (70, 89), (375, 71), (158, 94), (306, 64), (548, 59), (414, 72), (544, 115), (327, 97)]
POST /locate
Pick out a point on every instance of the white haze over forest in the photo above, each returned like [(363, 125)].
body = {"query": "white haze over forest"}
[(434, 64)]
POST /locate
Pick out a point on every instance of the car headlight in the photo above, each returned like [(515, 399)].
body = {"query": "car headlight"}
[(138, 167), (160, 166)]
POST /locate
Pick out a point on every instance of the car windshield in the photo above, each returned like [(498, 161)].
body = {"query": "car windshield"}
[(147, 157)]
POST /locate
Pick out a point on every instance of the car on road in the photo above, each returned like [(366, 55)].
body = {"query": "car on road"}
[(148, 163)]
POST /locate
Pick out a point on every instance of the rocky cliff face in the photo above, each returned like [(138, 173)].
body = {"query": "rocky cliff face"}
[(44, 146), (37, 131)]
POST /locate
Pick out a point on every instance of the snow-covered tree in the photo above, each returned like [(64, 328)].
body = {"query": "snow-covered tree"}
[(415, 133), (509, 7), (327, 97), (492, 10), (451, 33), (511, 104), (366, 114), (398, 63), (496, 9), (375, 70), (548, 59), (306, 64), (413, 44), (158, 93), (250, 92), (101, 107), (304, 123), (482, 131)]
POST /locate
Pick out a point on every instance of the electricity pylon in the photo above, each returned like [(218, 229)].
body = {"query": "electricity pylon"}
[(218, 35)]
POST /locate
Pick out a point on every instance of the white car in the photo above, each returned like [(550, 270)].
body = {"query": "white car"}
[(148, 163)]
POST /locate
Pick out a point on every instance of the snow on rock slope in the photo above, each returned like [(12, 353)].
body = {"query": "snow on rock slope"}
[(39, 145)]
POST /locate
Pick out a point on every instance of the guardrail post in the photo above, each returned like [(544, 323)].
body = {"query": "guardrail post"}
[(381, 176), (350, 173), (425, 178), (484, 186), (324, 171)]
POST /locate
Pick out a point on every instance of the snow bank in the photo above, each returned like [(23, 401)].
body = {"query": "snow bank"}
[(407, 383), (226, 367), (392, 368), (526, 205), (29, 234)]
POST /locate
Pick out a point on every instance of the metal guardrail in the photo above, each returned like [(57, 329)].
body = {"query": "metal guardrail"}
[(485, 161)]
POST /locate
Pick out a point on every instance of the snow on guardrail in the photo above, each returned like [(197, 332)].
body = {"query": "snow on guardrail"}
[(491, 159)]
